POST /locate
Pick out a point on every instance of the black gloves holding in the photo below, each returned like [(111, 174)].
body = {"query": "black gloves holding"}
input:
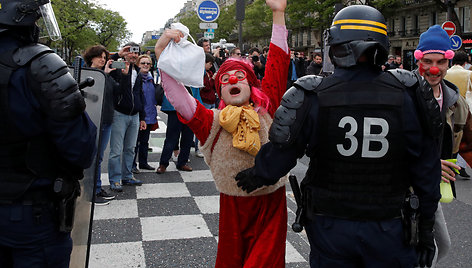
[(249, 181), (426, 248)]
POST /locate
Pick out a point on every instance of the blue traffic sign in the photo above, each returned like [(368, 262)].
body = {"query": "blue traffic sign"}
[(208, 11), (456, 42)]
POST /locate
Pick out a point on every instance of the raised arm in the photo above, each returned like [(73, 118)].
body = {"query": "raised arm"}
[(274, 82)]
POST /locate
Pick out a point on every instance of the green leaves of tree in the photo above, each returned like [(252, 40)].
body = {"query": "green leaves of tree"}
[(83, 24)]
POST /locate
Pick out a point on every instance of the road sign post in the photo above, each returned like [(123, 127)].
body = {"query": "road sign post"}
[(208, 11), (456, 42)]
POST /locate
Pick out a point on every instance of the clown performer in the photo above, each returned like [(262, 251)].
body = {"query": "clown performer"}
[(433, 54), (252, 227)]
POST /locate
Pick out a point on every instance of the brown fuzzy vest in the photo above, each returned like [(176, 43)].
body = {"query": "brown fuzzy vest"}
[(226, 161)]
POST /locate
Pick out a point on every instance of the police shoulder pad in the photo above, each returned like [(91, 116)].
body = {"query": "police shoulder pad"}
[(309, 82), (405, 77)]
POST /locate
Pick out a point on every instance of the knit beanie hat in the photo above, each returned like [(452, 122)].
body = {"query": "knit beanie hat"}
[(236, 64), (434, 40)]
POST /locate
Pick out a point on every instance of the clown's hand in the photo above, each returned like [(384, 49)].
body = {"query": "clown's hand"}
[(248, 180)]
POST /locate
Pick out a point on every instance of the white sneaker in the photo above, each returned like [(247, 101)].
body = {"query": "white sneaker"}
[(198, 154), (175, 157)]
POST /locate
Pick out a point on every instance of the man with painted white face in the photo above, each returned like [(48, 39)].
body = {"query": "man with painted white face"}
[(252, 227), (362, 130)]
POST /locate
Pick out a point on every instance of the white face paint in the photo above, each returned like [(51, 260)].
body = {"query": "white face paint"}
[(236, 94)]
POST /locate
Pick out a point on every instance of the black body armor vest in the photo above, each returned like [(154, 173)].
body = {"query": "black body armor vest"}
[(358, 169), (22, 159)]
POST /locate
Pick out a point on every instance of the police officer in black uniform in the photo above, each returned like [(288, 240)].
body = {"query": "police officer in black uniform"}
[(46, 140), (371, 139)]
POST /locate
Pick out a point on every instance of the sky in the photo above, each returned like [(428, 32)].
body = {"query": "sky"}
[(143, 15)]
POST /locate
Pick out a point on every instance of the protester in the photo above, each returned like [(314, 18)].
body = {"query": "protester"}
[(433, 54), (150, 102), (47, 140), (366, 145), (252, 228), (128, 119), (97, 57), (316, 66)]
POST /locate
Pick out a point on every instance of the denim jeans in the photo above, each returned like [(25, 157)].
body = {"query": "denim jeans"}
[(176, 129), (105, 138), (124, 133), (141, 151)]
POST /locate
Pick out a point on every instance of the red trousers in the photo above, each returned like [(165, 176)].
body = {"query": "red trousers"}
[(252, 230)]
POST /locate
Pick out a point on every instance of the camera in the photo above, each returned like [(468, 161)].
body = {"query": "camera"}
[(255, 58), (118, 65), (134, 49), (222, 52)]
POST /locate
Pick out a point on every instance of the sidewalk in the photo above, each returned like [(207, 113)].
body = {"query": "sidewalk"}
[(171, 220)]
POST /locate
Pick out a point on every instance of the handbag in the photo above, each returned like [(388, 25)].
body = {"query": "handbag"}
[(159, 93), (183, 61)]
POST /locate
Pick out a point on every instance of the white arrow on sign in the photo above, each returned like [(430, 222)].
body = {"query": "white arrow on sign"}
[(208, 25)]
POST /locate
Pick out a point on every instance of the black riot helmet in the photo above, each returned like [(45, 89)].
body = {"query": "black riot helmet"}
[(358, 30), (16, 14)]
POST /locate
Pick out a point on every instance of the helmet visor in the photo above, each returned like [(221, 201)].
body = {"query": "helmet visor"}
[(50, 21)]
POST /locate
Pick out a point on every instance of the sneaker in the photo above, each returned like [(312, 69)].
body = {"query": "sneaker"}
[(104, 194), (132, 182), (198, 153), (116, 186), (135, 170), (100, 201)]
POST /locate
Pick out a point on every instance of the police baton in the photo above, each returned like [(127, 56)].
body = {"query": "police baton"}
[(297, 226)]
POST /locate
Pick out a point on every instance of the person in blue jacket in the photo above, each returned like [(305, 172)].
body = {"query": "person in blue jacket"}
[(46, 141)]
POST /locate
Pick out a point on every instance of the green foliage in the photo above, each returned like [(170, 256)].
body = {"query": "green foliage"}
[(387, 7), (310, 14), (84, 24), (192, 22), (227, 24), (258, 21)]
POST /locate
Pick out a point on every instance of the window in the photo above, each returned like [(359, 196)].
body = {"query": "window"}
[(434, 18)]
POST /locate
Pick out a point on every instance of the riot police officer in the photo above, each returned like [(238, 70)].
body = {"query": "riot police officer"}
[(371, 138), (46, 140)]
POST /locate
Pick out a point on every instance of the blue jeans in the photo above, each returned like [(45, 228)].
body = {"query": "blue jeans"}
[(176, 129), (124, 133), (105, 138), (141, 151)]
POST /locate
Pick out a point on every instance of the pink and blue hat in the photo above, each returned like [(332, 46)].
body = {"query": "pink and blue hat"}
[(434, 40)]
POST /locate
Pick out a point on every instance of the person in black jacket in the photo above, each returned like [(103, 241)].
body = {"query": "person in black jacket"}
[(46, 141), (369, 139), (128, 119)]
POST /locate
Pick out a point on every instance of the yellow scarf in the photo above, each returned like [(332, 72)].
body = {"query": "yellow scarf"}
[(243, 123)]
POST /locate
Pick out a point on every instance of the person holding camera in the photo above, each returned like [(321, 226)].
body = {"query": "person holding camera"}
[(128, 117), (98, 57), (258, 68)]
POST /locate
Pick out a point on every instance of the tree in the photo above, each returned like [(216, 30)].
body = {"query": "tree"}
[(258, 21), (110, 28), (84, 24)]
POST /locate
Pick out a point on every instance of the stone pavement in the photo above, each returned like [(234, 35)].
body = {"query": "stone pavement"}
[(172, 220)]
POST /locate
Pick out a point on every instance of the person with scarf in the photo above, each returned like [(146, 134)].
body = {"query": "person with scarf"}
[(150, 103), (252, 227)]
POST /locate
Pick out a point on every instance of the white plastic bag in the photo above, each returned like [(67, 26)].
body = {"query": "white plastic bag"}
[(183, 61)]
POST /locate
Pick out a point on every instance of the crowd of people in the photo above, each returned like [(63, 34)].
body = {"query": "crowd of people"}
[(379, 139)]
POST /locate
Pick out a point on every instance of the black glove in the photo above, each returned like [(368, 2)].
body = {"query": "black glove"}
[(248, 181), (426, 248)]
